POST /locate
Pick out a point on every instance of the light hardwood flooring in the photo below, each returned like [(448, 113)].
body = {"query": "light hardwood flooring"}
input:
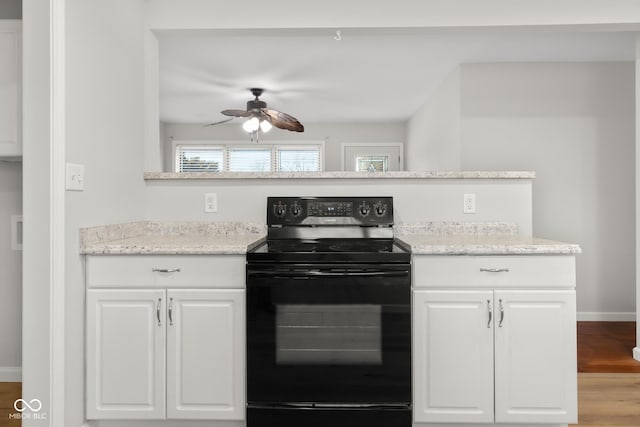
[(9, 392), (608, 399), (608, 378)]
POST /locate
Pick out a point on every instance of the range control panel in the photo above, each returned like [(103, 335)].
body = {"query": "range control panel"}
[(329, 211)]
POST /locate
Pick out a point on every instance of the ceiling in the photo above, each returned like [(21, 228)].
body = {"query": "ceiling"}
[(348, 75)]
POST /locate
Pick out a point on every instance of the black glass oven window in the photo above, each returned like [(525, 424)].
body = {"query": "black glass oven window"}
[(328, 334)]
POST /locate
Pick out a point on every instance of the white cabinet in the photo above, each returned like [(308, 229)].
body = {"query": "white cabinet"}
[(205, 356), (125, 354), (535, 356), (10, 88), (199, 331), (453, 356), (494, 355)]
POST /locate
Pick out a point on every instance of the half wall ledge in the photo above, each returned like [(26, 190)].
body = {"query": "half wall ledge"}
[(152, 176)]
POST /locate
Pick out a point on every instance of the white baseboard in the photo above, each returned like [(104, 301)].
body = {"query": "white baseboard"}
[(10, 374), (597, 316)]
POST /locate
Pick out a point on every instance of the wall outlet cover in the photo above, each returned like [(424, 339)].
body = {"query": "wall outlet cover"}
[(469, 203), (211, 202)]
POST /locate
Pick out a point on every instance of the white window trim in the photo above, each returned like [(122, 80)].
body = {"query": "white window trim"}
[(231, 144), (345, 145)]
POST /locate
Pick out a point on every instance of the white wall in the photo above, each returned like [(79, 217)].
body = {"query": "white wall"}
[(11, 278), (573, 123), (414, 199), (10, 260), (105, 115), (332, 134), (37, 174), (636, 350), (433, 132)]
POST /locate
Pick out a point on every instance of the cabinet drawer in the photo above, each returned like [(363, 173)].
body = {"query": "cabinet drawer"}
[(511, 271), (165, 271)]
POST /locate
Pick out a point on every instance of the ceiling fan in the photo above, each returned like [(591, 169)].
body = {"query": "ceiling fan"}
[(261, 117)]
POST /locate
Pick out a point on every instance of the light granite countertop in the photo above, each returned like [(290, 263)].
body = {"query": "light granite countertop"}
[(218, 238), (159, 176), (476, 238), (171, 238), (497, 244)]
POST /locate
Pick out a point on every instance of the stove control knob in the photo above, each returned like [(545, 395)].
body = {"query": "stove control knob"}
[(296, 209), (364, 209), (280, 210), (380, 209)]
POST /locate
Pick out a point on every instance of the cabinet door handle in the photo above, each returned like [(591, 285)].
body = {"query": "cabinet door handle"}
[(165, 270), (501, 314), (490, 313), (158, 311), (494, 270), (170, 311)]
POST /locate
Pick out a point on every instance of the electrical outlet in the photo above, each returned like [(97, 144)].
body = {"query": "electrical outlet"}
[(469, 203), (211, 202)]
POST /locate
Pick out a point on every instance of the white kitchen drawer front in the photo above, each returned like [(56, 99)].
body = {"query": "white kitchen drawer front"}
[(165, 271), (509, 271)]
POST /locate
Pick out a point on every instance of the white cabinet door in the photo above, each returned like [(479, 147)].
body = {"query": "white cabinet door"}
[(10, 88), (453, 356), (125, 354), (205, 354), (535, 357)]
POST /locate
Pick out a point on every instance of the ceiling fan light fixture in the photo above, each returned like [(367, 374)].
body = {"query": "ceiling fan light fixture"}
[(251, 125), (265, 126)]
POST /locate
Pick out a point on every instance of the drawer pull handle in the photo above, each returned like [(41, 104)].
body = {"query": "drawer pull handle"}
[(165, 270), (158, 307), (494, 270), (490, 313), (170, 311), (501, 314)]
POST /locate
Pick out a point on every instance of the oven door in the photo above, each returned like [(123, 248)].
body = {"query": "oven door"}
[(329, 336)]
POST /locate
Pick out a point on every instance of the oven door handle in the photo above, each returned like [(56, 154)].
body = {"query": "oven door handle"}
[(314, 274), (319, 405)]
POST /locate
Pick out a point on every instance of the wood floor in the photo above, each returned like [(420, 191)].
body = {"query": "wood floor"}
[(608, 378), (606, 347), (9, 392), (608, 375)]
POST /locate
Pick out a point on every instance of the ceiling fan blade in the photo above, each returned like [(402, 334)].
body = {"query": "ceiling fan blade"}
[(220, 122), (282, 120), (236, 113)]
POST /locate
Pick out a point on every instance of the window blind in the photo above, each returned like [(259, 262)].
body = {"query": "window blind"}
[(199, 158), (249, 159), (264, 158), (298, 159)]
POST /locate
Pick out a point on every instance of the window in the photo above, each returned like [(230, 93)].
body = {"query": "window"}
[(249, 159), (372, 156), (298, 159), (372, 163), (197, 157)]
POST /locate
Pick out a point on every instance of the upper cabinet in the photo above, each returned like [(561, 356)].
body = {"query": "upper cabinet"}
[(10, 88)]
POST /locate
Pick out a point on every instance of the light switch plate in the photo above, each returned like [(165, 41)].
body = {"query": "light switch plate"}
[(75, 177)]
